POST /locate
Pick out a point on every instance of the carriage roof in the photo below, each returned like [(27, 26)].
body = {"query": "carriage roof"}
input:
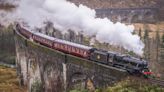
[(73, 44)]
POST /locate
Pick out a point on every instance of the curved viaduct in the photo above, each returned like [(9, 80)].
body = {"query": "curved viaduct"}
[(42, 69)]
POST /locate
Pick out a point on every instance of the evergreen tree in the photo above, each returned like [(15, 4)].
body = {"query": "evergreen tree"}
[(147, 45), (157, 44), (140, 33), (163, 40), (162, 49), (146, 35), (134, 32)]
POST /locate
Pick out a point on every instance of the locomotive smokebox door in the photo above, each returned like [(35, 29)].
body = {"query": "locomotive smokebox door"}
[(99, 56)]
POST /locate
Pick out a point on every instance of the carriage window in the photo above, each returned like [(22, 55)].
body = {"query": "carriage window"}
[(85, 53), (73, 49), (68, 48), (65, 47), (54, 44), (48, 42), (81, 51), (57, 45), (61, 46), (77, 50)]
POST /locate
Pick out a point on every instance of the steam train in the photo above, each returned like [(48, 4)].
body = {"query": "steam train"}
[(131, 64)]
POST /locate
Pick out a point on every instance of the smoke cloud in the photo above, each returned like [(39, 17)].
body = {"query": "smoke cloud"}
[(66, 15)]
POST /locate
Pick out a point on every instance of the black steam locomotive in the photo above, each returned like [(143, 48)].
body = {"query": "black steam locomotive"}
[(131, 64)]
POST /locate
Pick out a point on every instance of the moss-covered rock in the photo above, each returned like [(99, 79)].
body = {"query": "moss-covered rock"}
[(36, 86)]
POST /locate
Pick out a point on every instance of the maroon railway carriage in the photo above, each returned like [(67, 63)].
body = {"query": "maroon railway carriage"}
[(43, 39), (72, 48), (61, 45), (24, 32)]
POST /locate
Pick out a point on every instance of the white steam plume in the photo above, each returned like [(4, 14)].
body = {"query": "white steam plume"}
[(66, 15)]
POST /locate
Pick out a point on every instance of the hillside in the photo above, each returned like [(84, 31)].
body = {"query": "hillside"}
[(117, 3), (130, 84)]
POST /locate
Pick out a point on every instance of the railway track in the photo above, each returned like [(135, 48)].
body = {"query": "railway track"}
[(157, 82), (150, 80)]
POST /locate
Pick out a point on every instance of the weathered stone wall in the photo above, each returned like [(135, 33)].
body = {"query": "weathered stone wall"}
[(39, 68), (45, 70), (89, 72)]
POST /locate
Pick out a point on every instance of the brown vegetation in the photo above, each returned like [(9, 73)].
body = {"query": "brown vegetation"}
[(9, 81), (6, 7)]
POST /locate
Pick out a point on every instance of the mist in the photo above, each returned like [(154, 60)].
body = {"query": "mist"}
[(66, 15)]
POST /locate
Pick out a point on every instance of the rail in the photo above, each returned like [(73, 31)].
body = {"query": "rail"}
[(157, 82)]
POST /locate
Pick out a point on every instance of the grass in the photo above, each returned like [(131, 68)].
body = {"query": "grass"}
[(129, 85), (9, 81), (134, 85)]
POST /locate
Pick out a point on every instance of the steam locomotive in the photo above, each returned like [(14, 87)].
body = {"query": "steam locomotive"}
[(130, 64)]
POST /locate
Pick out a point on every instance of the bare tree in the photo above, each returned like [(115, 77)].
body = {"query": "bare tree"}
[(147, 45)]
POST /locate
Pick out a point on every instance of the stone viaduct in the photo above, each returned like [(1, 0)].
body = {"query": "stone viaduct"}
[(131, 15), (42, 69)]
